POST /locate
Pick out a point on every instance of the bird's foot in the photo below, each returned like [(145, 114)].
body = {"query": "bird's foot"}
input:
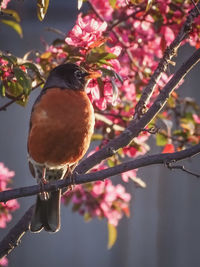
[(43, 195), (69, 174)]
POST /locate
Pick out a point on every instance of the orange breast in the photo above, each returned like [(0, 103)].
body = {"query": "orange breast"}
[(62, 124)]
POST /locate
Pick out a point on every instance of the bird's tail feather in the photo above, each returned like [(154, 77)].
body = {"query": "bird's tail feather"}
[(47, 213)]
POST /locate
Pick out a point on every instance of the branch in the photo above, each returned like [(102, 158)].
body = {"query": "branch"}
[(169, 53), (12, 239), (135, 127), (101, 175)]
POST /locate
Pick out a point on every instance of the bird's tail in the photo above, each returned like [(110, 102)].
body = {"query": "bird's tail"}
[(47, 213)]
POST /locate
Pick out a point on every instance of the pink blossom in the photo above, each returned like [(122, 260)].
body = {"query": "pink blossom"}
[(3, 62), (128, 174), (101, 103), (98, 188), (4, 261), (196, 118), (113, 217), (4, 218), (168, 34), (121, 193), (93, 89), (102, 199), (4, 4), (104, 8), (5, 175), (116, 50), (58, 51), (11, 205), (86, 31), (129, 90)]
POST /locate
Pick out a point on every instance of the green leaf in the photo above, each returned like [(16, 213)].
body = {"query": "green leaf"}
[(110, 163), (171, 102), (15, 25), (104, 61), (109, 56), (112, 3), (2, 90), (161, 140), (23, 80), (42, 6), (14, 89), (98, 54), (112, 235), (13, 14)]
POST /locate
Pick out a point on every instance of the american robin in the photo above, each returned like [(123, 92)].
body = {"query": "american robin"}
[(61, 126)]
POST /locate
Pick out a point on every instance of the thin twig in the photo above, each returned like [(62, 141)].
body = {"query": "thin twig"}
[(51, 29), (182, 168), (196, 6)]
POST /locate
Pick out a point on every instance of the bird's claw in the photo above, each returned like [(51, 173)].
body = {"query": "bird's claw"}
[(43, 195)]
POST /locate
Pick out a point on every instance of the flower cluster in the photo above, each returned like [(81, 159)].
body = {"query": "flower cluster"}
[(4, 4), (5, 70), (11, 205), (6, 208), (4, 261), (86, 32), (102, 200)]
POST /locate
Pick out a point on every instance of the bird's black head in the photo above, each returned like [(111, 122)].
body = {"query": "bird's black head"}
[(68, 76)]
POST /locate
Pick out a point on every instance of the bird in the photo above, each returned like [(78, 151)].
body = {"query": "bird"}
[(61, 126)]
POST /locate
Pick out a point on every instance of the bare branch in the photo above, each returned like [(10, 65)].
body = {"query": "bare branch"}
[(12, 239), (103, 174)]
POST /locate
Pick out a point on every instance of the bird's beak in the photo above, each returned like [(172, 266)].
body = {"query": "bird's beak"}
[(92, 75)]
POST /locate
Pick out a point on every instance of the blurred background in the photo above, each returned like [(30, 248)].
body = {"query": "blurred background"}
[(163, 229)]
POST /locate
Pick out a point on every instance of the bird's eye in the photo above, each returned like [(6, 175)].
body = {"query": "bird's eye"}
[(78, 74)]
